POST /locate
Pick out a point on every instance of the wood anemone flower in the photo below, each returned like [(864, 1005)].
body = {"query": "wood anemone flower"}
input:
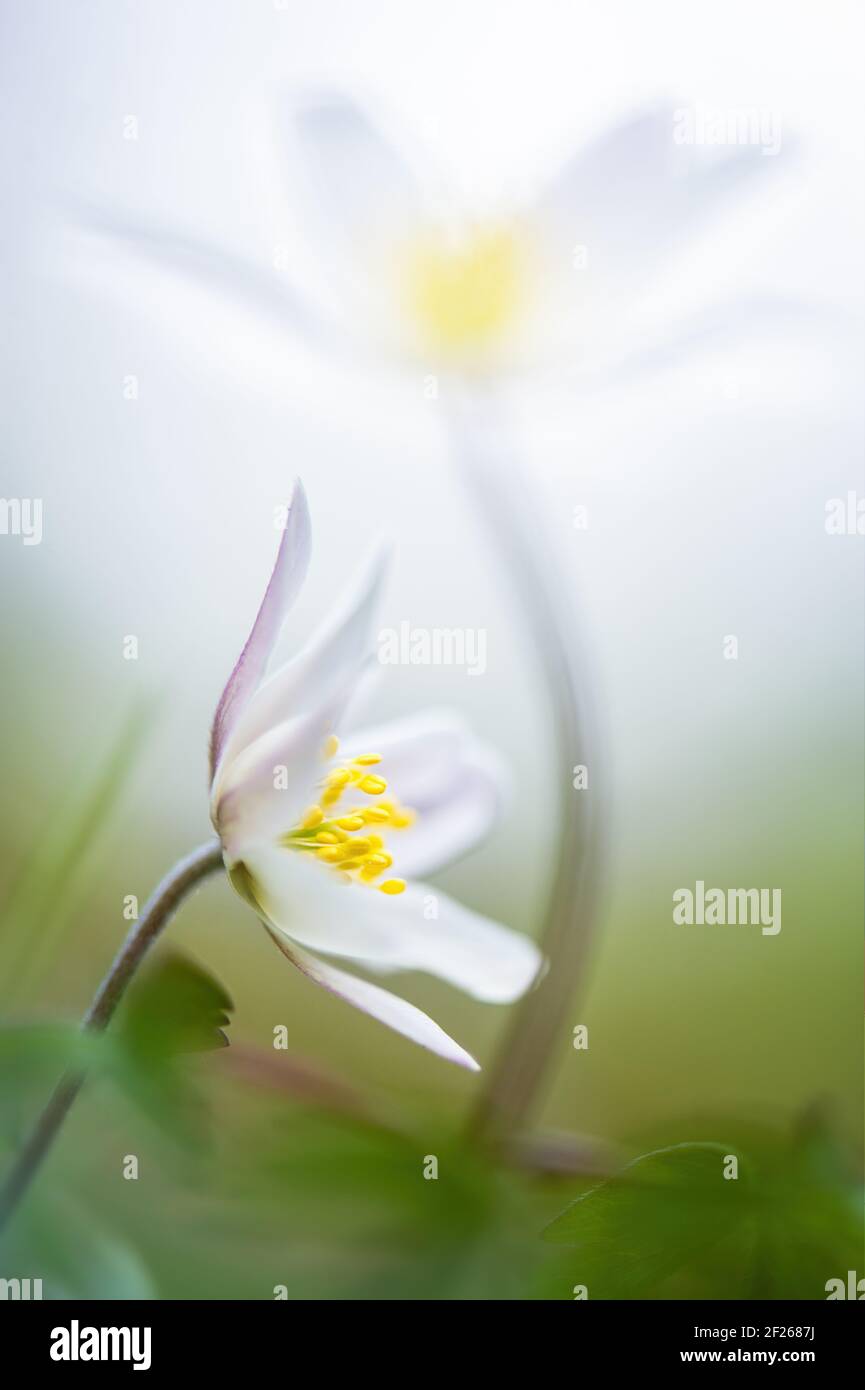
[(325, 842)]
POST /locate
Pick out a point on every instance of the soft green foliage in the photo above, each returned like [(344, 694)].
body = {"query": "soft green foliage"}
[(32, 1059), (262, 1171), (288, 1180), (661, 1211), (73, 1254), (174, 1007), (789, 1221)]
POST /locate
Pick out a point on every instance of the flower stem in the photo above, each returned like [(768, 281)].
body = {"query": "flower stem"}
[(156, 913), (494, 474)]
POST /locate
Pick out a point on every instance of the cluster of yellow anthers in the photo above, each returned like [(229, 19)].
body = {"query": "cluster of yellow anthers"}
[(334, 837)]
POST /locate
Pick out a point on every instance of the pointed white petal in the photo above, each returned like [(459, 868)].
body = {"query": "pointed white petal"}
[(289, 572), (200, 264), (332, 658), (371, 999), (286, 723), (420, 929)]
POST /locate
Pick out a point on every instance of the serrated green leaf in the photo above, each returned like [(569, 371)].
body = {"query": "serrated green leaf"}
[(174, 1007)]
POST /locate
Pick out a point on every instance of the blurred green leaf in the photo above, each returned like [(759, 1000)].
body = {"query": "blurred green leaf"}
[(651, 1218), (354, 1211), (670, 1225), (33, 1057), (173, 1008), (55, 1240), (811, 1215)]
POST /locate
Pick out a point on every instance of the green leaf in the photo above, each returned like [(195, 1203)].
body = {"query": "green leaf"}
[(669, 1225), (174, 1007), (72, 1252), (653, 1217)]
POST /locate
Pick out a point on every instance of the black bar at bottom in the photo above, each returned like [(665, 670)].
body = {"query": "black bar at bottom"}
[(224, 1339)]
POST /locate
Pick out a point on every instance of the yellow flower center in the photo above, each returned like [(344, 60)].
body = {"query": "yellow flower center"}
[(464, 298), (351, 840)]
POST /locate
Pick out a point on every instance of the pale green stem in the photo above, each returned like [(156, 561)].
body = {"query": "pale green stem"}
[(492, 468)]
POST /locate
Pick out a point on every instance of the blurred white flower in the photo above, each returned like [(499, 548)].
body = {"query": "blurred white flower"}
[(568, 275), (310, 832), (573, 277)]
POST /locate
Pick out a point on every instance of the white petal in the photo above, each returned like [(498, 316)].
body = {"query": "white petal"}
[(635, 192), (201, 264), (365, 211), (287, 722), (420, 929), (454, 783), (625, 206), (443, 833), (289, 572), (363, 195), (268, 786), (421, 753), (388, 1008), (331, 659)]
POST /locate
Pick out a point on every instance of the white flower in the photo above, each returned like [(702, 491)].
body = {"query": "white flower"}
[(567, 276), (314, 835), (572, 277)]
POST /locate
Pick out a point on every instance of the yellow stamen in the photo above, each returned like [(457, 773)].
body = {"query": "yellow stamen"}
[(331, 854), (373, 786), (331, 747), (335, 841), (339, 777), (379, 860)]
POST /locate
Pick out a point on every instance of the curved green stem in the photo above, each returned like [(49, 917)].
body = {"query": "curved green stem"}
[(155, 915), (493, 470)]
